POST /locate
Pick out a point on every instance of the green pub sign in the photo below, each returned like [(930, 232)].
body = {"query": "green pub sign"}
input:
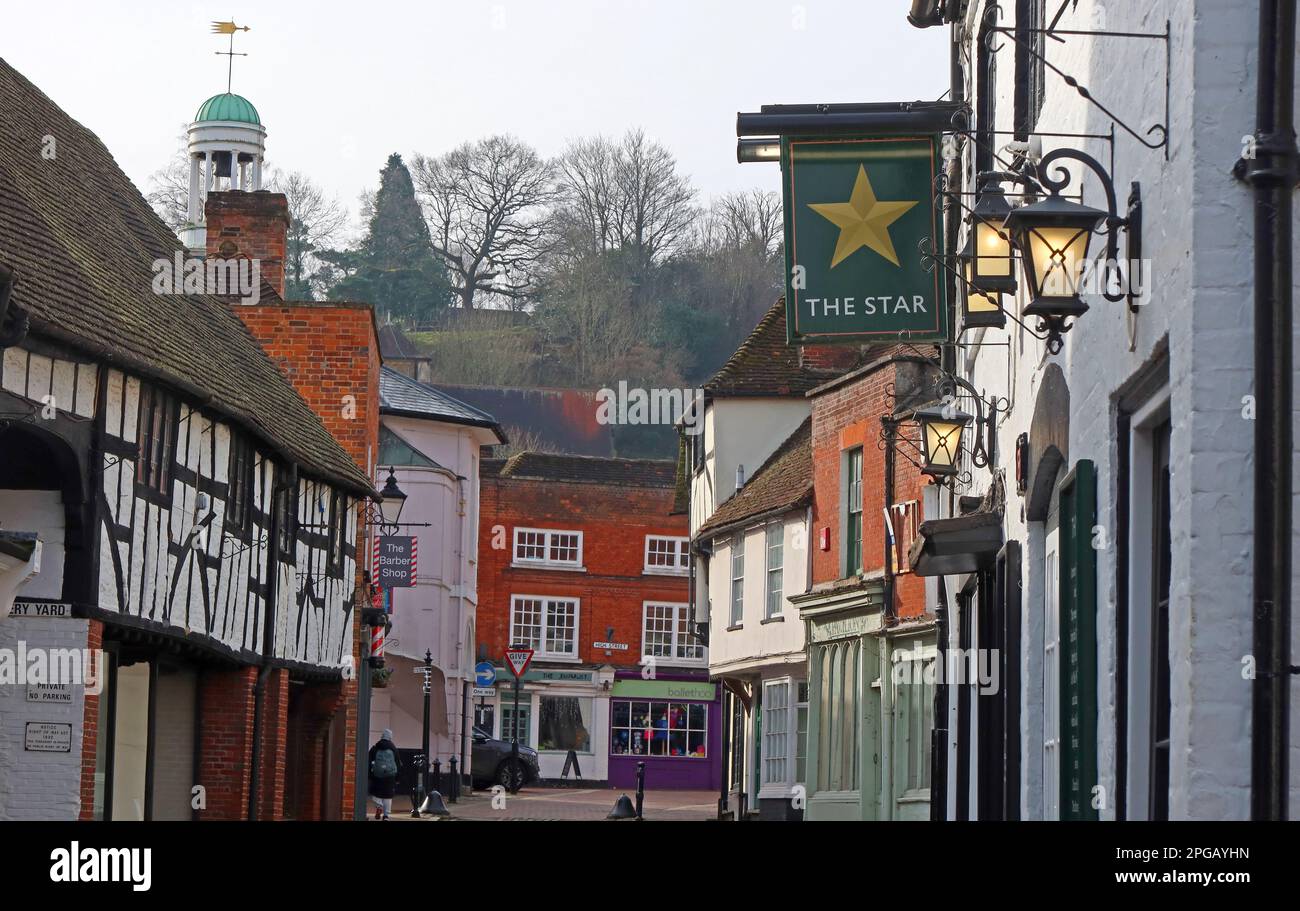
[(858, 214)]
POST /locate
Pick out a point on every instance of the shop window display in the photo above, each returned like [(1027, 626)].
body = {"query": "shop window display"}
[(667, 729)]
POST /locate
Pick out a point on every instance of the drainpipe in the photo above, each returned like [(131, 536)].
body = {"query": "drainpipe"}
[(268, 639), (1272, 173), (466, 656), (886, 729), (939, 736)]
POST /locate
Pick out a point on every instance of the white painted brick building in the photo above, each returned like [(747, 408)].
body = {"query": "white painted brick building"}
[(1184, 362)]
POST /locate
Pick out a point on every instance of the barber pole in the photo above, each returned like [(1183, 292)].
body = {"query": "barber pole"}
[(377, 645)]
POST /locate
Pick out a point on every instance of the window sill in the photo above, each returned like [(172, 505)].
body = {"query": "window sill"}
[(775, 618), (915, 796), (734, 627), (560, 567), (660, 571), (567, 659)]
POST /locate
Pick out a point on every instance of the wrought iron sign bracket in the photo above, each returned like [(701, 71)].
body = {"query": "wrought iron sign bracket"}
[(1162, 129)]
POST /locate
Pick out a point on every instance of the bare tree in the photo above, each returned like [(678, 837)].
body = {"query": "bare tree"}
[(315, 221), (750, 219), (625, 195), (486, 204), (169, 188)]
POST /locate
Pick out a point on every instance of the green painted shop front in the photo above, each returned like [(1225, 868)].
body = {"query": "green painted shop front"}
[(868, 729)]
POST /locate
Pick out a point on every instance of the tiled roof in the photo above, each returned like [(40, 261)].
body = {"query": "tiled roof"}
[(765, 365), (559, 420), (539, 466), (394, 345), (399, 394), (783, 482), (83, 240)]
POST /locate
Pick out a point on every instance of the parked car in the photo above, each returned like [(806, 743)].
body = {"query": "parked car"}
[(492, 762)]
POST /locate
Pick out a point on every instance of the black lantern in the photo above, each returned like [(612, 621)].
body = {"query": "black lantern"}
[(392, 501), (1053, 237), (993, 266), (941, 432), (980, 308)]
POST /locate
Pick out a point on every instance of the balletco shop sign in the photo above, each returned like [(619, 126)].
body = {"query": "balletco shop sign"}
[(857, 211)]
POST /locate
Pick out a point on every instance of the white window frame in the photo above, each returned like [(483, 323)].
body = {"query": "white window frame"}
[(736, 608), (680, 640), (548, 535), (786, 757), (540, 649), (681, 556), (768, 569)]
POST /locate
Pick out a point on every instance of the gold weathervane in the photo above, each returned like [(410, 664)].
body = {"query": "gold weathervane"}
[(229, 28), (863, 221)]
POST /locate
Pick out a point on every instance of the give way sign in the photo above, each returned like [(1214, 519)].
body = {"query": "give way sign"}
[(517, 659)]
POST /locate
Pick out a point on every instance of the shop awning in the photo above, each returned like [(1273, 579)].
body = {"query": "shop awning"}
[(963, 544)]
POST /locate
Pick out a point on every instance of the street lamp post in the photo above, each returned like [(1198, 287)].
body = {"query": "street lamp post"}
[(428, 686)]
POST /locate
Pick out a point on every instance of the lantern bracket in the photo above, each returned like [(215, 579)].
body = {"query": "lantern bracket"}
[(1130, 222)]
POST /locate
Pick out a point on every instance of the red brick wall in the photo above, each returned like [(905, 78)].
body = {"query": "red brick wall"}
[(614, 522), (90, 729), (843, 418), (275, 708), (250, 226), (226, 702), (330, 354)]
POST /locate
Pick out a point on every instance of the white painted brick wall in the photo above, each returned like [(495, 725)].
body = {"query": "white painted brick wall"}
[(1197, 232), (33, 785)]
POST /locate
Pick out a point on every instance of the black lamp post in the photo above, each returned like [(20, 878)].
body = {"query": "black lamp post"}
[(392, 501)]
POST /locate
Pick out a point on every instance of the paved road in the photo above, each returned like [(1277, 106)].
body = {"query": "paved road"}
[(572, 804)]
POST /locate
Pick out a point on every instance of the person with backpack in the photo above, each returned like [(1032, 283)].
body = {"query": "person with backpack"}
[(384, 766)]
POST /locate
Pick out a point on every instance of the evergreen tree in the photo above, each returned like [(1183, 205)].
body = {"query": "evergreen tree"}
[(394, 267)]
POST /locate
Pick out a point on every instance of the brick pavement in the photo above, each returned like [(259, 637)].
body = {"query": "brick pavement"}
[(566, 804)]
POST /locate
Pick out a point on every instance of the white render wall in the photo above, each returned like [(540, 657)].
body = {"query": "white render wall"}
[(757, 643), (1197, 233), (739, 431), (440, 613)]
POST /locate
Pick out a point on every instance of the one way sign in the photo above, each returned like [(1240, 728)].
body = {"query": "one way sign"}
[(517, 659)]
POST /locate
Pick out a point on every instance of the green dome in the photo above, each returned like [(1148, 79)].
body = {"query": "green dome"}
[(228, 107)]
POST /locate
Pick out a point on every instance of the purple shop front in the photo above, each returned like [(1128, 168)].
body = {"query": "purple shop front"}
[(672, 724)]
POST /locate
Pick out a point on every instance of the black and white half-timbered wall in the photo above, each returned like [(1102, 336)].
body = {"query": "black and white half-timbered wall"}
[(177, 528)]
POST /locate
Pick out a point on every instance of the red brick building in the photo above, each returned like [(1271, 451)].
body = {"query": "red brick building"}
[(866, 611), (329, 350), (584, 561)]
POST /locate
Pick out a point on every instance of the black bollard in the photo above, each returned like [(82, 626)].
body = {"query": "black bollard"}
[(453, 787), (640, 789)]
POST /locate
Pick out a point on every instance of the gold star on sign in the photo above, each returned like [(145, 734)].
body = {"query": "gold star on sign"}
[(863, 221)]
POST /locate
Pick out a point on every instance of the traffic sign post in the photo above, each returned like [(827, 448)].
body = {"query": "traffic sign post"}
[(517, 659)]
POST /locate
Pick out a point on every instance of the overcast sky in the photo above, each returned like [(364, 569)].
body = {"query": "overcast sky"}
[(341, 85)]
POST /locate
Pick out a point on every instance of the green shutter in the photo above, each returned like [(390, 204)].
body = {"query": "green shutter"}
[(1078, 579)]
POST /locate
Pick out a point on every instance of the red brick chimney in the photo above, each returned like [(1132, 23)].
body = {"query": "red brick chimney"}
[(250, 225), (824, 357)]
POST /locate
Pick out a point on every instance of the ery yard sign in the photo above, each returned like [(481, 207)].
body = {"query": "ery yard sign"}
[(858, 213)]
